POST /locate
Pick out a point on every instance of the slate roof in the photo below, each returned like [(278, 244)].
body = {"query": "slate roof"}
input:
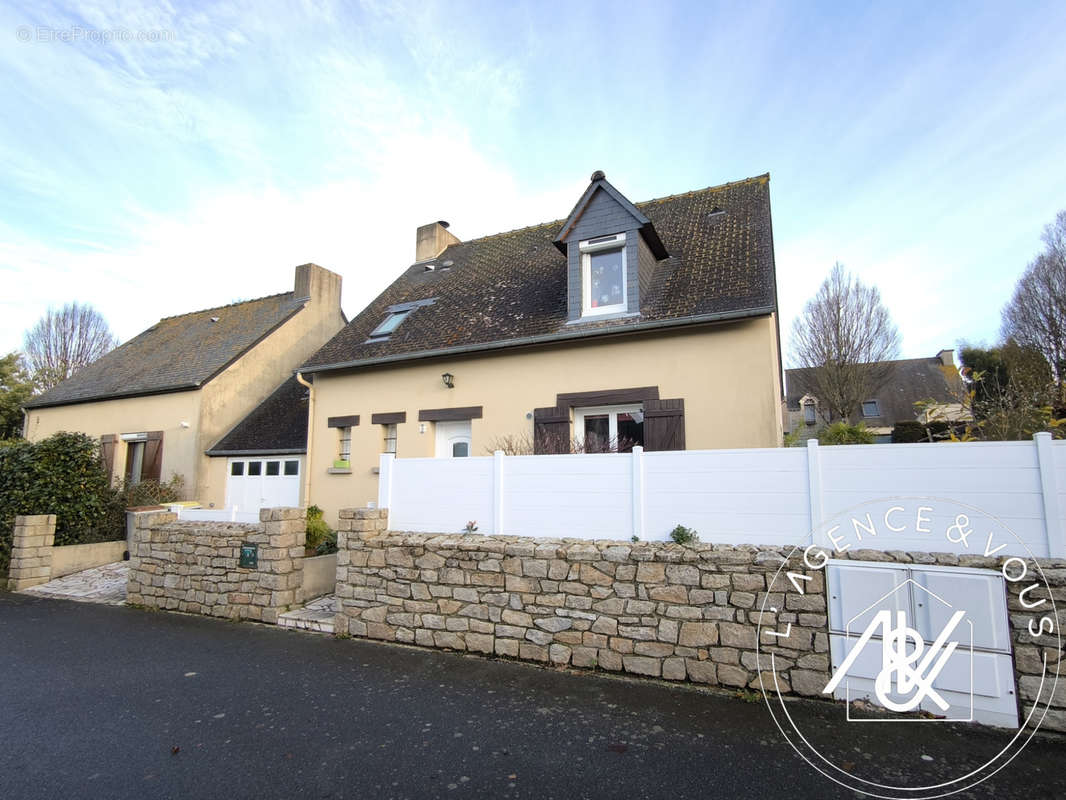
[(176, 353), (511, 288), (277, 425), (911, 380)]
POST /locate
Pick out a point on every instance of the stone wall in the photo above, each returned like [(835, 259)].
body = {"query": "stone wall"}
[(193, 566), (31, 551), (655, 609)]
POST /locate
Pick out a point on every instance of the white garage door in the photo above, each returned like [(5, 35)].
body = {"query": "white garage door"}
[(952, 604), (255, 483)]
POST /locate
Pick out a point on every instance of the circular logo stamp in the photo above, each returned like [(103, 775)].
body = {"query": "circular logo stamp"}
[(909, 611)]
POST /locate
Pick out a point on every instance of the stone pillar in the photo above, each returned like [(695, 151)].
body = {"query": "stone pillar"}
[(31, 551), (351, 590), (281, 558)]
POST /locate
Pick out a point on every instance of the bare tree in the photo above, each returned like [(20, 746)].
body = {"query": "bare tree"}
[(1035, 317), (64, 341), (845, 336)]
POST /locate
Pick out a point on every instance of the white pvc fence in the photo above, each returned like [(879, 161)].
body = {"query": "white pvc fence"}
[(757, 496), (186, 514)]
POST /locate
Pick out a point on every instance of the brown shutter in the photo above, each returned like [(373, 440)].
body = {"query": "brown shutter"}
[(551, 430), (153, 457), (107, 453), (664, 425)]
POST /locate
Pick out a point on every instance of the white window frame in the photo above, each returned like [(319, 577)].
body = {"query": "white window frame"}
[(599, 245), (877, 408), (612, 419), (389, 428)]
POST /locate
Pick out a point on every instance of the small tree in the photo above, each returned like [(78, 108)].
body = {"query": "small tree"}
[(845, 335), (64, 341), (1035, 317), (843, 433), (15, 389)]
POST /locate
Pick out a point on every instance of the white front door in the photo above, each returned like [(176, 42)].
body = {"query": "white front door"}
[(453, 439)]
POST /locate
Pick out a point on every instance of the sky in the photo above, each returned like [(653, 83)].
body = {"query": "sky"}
[(161, 158)]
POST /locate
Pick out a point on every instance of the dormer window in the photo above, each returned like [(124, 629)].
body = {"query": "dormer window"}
[(603, 275), (389, 324)]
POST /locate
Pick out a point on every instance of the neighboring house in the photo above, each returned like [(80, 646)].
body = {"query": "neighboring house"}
[(910, 381), (652, 324), (164, 398)]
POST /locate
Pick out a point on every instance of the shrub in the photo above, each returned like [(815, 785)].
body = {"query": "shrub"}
[(683, 535), (60, 475), (843, 433), (321, 538)]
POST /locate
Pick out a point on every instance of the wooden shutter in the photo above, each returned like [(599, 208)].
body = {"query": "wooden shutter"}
[(107, 453), (551, 430), (664, 424), (152, 466)]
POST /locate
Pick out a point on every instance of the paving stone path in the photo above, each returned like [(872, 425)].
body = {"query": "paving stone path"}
[(315, 616), (106, 584)]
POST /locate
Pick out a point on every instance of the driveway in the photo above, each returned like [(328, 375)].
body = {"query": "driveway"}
[(113, 702)]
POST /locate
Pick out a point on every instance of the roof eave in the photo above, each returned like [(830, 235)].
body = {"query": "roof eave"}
[(279, 451), (526, 341), (181, 387)]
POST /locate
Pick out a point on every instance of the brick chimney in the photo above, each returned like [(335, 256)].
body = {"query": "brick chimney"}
[(947, 357), (432, 240)]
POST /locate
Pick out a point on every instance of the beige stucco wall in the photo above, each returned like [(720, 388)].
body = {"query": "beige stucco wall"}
[(161, 412), (238, 389), (728, 375), (215, 409)]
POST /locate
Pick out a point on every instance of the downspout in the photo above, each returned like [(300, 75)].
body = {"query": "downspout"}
[(310, 436)]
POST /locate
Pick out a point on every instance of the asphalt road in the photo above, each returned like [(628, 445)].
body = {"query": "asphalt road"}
[(113, 702)]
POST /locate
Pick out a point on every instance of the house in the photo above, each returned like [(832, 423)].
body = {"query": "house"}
[(165, 398), (909, 381), (652, 323)]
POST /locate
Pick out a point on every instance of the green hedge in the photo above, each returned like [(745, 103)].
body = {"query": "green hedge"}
[(60, 475)]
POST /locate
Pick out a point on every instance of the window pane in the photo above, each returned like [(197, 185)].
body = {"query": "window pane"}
[(390, 439), (236, 468), (255, 467), (273, 468), (391, 323), (597, 433), (460, 450), (605, 279), (630, 433), (870, 409), (808, 413), (292, 467), (346, 443)]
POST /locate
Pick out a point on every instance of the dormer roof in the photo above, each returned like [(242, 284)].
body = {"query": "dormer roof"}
[(599, 183)]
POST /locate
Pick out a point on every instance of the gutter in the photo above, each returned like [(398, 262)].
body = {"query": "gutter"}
[(310, 435), (526, 341), (291, 451)]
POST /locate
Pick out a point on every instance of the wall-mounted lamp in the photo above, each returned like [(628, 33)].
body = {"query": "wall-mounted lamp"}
[(449, 380), (185, 424), (638, 416)]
